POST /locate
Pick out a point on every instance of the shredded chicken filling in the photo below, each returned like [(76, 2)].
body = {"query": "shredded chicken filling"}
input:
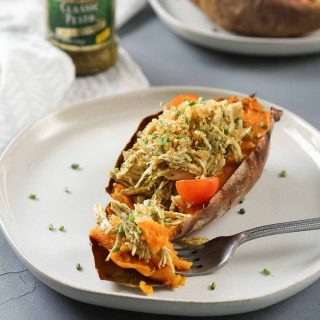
[(191, 140), (128, 232)]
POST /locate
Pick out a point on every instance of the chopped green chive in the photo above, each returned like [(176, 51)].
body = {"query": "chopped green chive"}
[(202, 100), (187, 120), (226, 131), (62, 229), (115, 249), (51, 227), (213, 142), (262, 124), (149, 203), (180, 137), (250, 135), (213, 286), (192, 103), (146, 141), (241, 200), (203, 129), (66, 190), (131, 217), (167, 220), (163, 140), (242, 211), (178, 112), (139, 231), (75, 166), (121, 229), (266, 272), (283, 174), (33, 197), (78, 267)]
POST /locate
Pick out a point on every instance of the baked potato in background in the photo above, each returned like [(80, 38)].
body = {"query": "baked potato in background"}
[(264, 18)]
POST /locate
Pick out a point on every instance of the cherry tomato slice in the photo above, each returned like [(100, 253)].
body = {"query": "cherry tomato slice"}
[(197, 191)]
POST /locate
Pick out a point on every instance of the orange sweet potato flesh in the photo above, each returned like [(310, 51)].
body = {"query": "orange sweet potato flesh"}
[(117, 195), (105, 239), (145, 288), (254, 116), (156, 236), (180, 99)]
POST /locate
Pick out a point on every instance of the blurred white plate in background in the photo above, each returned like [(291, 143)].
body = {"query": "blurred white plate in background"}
[(185, 19)]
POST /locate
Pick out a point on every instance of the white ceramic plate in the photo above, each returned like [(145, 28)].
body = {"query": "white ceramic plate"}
[(92, 134), (189, 22)]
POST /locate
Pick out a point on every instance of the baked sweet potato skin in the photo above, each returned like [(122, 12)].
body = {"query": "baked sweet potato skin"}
[(108, 270), (264, 18), (131, 142), (239, 184)]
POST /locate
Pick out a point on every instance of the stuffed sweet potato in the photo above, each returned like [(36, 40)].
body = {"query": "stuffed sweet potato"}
[(184, 167), (264, 18)]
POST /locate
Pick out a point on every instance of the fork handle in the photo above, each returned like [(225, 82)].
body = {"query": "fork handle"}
[(279, 228)]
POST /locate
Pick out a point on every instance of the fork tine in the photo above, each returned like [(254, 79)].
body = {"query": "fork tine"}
[(192, 259), (184, 251), (193, 273), (186, 273)]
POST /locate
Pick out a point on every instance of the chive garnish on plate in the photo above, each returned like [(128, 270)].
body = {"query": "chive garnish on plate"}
[(213, 286), (75, 166), (283, 174), (67, 190), (79, 267), (266, 272)]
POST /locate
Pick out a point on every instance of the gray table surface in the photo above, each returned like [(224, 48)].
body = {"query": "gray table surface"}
[(168, 60)]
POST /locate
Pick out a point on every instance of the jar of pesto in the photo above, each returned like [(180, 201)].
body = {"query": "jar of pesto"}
[(85, 30)]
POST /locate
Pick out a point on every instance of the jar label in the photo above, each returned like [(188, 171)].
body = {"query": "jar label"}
[(80, 25)]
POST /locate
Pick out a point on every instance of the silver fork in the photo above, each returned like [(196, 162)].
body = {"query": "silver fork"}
[(217, 252)]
